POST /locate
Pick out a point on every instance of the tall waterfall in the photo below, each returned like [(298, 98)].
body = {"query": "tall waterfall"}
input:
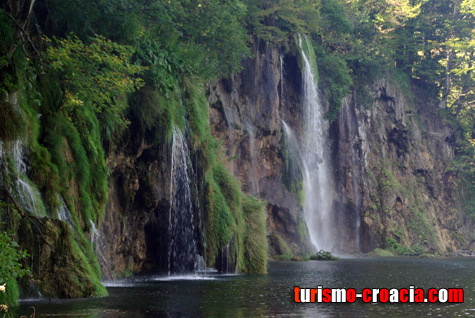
[(315, 159), (182, 223)]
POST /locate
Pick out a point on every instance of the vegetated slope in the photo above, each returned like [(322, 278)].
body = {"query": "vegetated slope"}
[(92, 94)]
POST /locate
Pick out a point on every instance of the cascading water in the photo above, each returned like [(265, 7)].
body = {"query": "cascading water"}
[(27, 194), (281, 79), (183, 252), (63, 212), (98, 244), (314, 154)]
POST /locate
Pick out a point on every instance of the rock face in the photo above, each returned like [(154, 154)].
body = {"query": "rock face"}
[(136, 220), (246, 115), (393, 157)]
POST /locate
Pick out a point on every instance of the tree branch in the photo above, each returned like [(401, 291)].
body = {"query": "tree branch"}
[(23, 36)]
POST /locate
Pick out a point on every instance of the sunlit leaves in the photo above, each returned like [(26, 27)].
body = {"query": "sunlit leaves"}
[(273, 21), (97, 75), (10, 257)]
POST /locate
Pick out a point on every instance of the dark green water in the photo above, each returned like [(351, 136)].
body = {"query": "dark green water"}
[(272, 295)]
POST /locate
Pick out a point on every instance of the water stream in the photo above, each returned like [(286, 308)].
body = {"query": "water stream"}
[(27, 194), (182, 234), (316, 168), (98, 243), (63, 212), (272, 295)]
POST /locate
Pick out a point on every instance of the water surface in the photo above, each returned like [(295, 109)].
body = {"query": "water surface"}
[(212, 295)]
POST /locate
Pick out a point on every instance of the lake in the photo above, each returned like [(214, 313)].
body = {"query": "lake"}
[(212, 295)]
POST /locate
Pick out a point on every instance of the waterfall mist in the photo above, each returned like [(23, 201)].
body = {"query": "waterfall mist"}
[(315, 161)]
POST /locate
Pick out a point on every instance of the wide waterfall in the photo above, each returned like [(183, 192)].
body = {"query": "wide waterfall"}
[(183, 234), (315, 158)]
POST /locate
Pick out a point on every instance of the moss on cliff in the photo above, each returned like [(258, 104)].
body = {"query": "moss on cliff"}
[(63, 157), (230, 215)]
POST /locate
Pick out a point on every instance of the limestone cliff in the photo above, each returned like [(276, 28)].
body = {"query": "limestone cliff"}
[(391, 159), (246, 113), (394, 157)]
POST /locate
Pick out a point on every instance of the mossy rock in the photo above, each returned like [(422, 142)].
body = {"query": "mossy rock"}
[(280, 246), (323, 256), (63, 270), (381, 253)]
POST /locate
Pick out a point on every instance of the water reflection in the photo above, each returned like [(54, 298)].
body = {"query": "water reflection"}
[(272, 295)]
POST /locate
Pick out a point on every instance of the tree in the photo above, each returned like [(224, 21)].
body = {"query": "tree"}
[(96, 76), (273, 21)]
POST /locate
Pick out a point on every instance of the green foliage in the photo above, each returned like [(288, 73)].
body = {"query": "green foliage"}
[(418, 224), (157, 113), (88, 18), (403, 81), (334, 21), (219, 220), (388, 181), (274, 21), (11, 269), (323, 256), (395, 247), (95, 77), (80, 159), (198, 115), (282, 248), (231, 216), (255, 240), (382, 253), (89, 267), (334, 79), (10, 256), (13, 124), (163, 63)]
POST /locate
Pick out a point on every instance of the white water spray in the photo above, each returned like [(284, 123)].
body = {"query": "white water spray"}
[(182, 231), (281, 79), (316, 162), (63, 212), (27, 193), (97, 242)]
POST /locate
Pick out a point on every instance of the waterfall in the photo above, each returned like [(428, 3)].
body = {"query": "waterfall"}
[(17, 154), (281, 79), (63, 212), (314, 150), (97, 243), (26, 192), (182, 222)]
